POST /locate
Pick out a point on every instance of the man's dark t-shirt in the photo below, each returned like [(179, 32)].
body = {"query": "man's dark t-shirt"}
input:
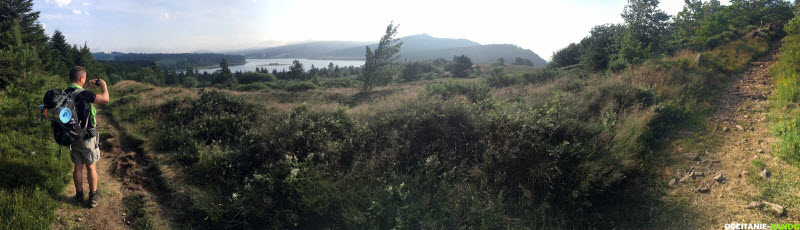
[(85, 100)]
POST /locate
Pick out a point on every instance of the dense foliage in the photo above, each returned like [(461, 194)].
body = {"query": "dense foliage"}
[(787, 93), (517, 147), (32, 173), (539, 148), (647, 32)]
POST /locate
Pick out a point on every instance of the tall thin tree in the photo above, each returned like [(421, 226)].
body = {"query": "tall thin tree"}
[(381, 65)]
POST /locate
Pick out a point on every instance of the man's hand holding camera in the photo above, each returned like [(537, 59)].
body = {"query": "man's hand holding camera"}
[(98, 82)]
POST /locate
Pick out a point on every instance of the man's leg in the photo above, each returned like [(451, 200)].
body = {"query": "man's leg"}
[(77, 177), (91, 171)]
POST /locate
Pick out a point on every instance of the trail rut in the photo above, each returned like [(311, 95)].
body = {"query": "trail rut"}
[(119, 176), (717, 174)]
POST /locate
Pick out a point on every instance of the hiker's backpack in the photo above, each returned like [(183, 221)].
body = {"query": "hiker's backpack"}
[(61, 108)]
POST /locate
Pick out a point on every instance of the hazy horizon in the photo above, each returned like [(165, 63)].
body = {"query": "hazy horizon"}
[(175, 27)]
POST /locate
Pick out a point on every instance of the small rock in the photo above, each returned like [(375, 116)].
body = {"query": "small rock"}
[(685, 177), (78, 219), (755, 204), (672, 182), (765, 174), (739, 127), (745, 116), (703, 189), (719, 178), (128, 222), (725, 129), (778, 209), (760, 151), (699, 174), (691, 156)]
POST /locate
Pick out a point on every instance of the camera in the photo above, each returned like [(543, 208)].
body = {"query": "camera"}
[(97, 82)]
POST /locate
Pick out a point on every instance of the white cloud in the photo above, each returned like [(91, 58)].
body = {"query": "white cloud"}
[(60, 3), (76, 11), (85, 3), (165, 16), (44, 26)]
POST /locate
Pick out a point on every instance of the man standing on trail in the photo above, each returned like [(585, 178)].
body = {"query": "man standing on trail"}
[(86, 152)]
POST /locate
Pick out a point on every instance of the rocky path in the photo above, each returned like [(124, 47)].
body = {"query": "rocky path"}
[(730, 174), (120, 178)]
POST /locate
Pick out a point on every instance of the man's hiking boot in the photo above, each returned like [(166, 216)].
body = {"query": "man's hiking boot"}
[(78, 198), (94, 199)]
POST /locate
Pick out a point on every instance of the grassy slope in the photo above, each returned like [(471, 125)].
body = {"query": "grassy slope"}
[(786, 96), (32, 175), (413, 156)]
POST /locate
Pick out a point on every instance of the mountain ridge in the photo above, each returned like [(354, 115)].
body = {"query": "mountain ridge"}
[(415, 48)]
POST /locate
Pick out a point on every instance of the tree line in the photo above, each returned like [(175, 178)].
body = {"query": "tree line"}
[(181, 60), (648, 32)]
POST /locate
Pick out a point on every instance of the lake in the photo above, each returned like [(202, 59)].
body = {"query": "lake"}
[(283, 64)]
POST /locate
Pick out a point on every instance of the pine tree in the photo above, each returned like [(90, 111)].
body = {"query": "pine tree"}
[(59, 54), (380, 66), (224, 75), (296, 71), (22, 12), (461, 66), (87, 61)]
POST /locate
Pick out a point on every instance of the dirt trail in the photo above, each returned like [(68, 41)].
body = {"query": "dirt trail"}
[(717, 173), (119, 177)]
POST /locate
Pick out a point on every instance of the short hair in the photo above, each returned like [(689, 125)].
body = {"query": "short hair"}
[(73, 74)]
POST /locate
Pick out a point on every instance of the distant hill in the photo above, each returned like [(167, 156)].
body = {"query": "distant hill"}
[(415, 48), (479, 54), (300, 50), (102, 56), (411, 44)]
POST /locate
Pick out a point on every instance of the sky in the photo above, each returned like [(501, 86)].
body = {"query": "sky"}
[(173, 26)]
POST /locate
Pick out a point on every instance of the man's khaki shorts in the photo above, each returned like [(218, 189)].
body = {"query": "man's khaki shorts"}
[(86, 151)]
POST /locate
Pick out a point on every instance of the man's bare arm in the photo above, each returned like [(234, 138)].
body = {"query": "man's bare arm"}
[(103, 97)]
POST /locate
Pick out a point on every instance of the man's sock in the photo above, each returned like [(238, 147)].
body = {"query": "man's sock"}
[(92, 193)]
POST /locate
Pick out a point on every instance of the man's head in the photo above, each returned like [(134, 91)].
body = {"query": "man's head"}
[(77, 75)]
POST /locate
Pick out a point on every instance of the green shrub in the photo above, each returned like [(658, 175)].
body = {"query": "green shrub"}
[(257, 86), (413, 71), (616, 97), (293, 86), (539, 76), (786, 74), (253, 77), (498, 78), (793, 27), (474, 91), (567, 56), (616, 65)]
